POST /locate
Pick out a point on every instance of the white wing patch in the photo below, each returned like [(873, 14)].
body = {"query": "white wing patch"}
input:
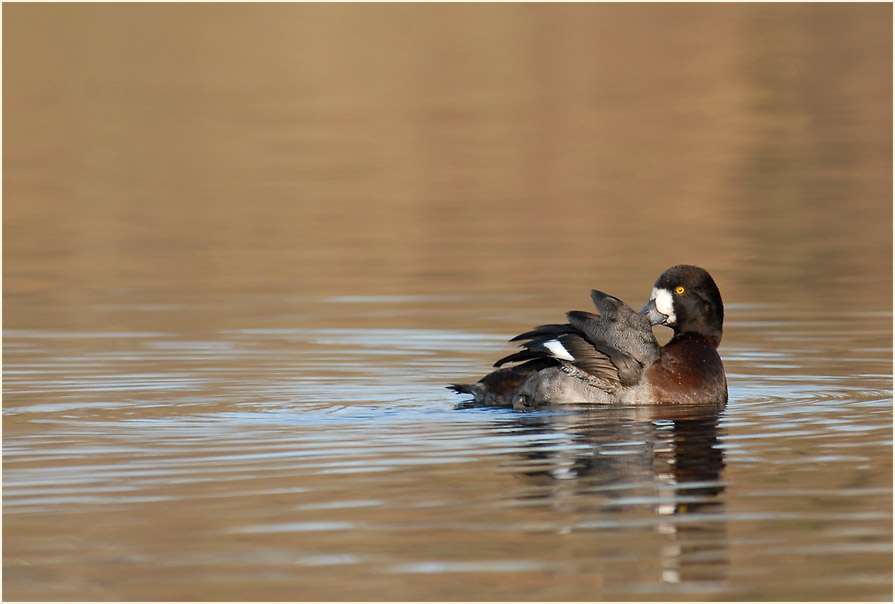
[(558, 350)]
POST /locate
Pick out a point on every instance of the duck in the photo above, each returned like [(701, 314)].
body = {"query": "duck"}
[(613, 357)]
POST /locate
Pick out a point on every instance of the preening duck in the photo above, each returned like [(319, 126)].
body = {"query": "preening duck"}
[(613, 356)]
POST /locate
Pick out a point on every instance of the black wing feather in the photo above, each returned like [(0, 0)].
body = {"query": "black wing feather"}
[(584, 338), (547, 332), (518, 357)]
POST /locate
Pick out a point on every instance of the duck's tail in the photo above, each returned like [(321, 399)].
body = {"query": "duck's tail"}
[(462, 388)]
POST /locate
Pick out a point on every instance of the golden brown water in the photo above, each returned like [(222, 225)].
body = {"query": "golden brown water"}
[(245, 247)]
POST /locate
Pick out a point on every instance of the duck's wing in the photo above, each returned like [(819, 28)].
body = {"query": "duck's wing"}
[(628, 370), (604, 302), (531, 350), (623, 329), (572, 343)]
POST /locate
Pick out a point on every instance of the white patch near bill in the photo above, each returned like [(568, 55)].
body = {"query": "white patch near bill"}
[(558, 350), (665, 304)]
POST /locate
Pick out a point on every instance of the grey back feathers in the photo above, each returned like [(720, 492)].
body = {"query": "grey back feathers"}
[(624, 329), (610, 348)]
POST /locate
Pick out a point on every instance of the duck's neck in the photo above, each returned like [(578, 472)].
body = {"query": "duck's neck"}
[(712, 339)]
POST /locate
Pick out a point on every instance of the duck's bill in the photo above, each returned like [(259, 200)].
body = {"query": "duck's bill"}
[(653, 314)]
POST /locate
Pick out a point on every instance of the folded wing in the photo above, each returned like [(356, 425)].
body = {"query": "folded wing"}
[(601, 346)]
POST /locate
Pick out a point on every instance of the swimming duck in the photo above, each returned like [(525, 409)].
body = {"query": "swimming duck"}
[(613, 356)]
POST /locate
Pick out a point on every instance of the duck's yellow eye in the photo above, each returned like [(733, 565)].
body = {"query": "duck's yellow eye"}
[(679, 289)]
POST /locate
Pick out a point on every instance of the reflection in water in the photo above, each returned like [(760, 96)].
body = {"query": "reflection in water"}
[(664, 458)]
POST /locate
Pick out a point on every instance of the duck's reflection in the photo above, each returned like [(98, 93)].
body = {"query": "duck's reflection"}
[(667, 460)]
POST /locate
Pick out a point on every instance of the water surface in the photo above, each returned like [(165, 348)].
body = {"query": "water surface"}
[(246, 246)]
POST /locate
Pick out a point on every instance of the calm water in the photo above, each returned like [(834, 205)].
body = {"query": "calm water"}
[(245, 248)]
